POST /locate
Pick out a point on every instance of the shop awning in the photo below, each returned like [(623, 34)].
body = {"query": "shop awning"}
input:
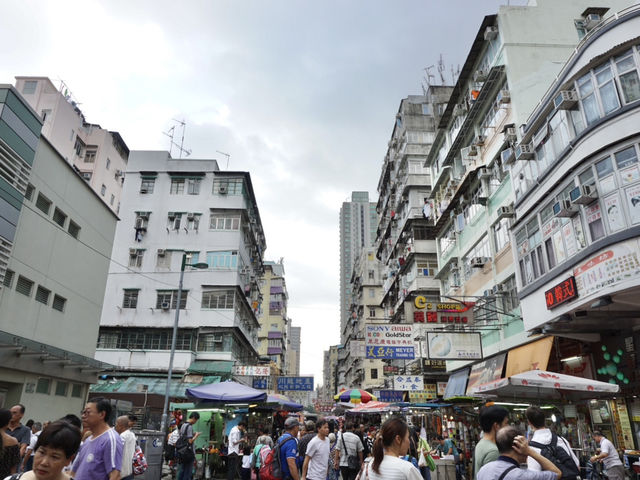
[(150, 385), (210, 367), (456, 385), (546, 385), (532, 356), (374, 407), (283, 401), (226, 392)]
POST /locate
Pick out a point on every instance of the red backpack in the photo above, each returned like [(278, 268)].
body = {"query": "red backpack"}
[(271, 469)]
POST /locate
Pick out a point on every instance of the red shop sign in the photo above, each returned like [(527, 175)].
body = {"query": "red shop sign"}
[(561, 293)]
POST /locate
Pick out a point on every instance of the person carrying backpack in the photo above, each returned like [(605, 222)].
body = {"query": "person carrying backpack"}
[(551, 446)]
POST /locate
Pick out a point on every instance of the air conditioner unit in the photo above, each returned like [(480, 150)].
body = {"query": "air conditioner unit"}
[(480, 76), (223, 189), (143, 190), (591, 20), (478, 140), (483, 173), (171, 216), (510, 134), (165, 306), (583, 194), (507, 156), (499, 288), (505, 212), (161, 252), (504, 96), (565, 100), (525, 152), (469, 154), (133, 251), (478, 262), (564, 209), (245, 270), (491, 32), (190, 216), (459, 110), (140, 223)]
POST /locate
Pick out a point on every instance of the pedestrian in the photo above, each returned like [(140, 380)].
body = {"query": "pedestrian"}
[(264, 438), (289, 449), (260, 453), (349, 453), (424, 449), (100, 456), (334, 471), (54, 450), (446, 447), (129, 447), (9, 446), (245, 472), (361, 432), (310, 433), (27, 463), (542, 436), (492, 419), (316, 461), (133, 420), (392, 443), (609, 457), (20, 432), (188, 455), (371, 437), (514, 451), (172, 438), (237, 436)]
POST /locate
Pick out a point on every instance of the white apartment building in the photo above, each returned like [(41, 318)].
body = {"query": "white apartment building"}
[(99, 155), (171, 207)]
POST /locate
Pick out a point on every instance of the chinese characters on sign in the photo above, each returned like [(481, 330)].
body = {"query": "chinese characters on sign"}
[(429, 393), (562, 292), (620, 263), (390, 396), (431, 312), (389, 341), (295, 383), (251, 370), (411, 383), (260, 383)]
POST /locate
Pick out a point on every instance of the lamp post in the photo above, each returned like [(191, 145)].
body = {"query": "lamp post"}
[(163, 423)]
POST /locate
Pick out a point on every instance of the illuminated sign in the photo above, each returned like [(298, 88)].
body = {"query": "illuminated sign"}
[(432, 312), (561, 293)]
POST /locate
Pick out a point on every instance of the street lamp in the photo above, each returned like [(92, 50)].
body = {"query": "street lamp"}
[(163, 423)]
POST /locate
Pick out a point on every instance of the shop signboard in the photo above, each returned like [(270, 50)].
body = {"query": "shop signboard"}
[(532, 356), (390, 396), (456, 385), (433, 366), (252, 370), (357, 349), (295, 384), (485, 372), (617, 264), (441, 387), (390, 341), (390, 370), (562, 292), (410, 383), (428, 393), (426, 312), (454, 346), (260, 383), (324, 407), (625, 424)]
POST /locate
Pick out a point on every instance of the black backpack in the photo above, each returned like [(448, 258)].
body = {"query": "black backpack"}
[(183, 449), (559, 457)]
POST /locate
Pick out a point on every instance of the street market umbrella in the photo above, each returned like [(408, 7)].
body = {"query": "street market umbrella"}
[(283, 401), (374, 407), (546, 385), (355, 396), (226, 392)]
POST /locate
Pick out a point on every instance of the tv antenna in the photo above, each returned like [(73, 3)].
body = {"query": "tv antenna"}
[(226, 155), (171, 134), (441, 69)]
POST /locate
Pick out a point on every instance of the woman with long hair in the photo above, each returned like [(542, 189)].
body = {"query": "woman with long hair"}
[(391, 444), (9, 447)]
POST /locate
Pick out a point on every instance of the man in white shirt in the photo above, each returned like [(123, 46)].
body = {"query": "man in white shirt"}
[(129, 447), (348, 445), (543, 436), (234, 454), (316, 460), (36, 429), (609, 456)]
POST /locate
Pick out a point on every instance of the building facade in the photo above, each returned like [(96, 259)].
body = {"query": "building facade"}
[(295, 341), (330, 373), (274, 323), (358, 221), (53, 286), (99, 155)]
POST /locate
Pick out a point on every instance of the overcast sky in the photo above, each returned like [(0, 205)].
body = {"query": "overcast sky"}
[(301, 94)]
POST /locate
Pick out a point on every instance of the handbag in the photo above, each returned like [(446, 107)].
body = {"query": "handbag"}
[(353, 462), (422, 462)]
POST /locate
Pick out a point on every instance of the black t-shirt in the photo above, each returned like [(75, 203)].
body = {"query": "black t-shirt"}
[(304, 442)]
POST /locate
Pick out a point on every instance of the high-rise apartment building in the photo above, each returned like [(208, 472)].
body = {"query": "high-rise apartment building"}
[(330, 373), (99, 155), (358, 222), (294, 351), (274, 323)]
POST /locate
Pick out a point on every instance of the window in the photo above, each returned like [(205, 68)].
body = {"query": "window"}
[(223, 259), (86, 176), (193, 186), (76, 390), (79, 146), (372, 312), (501, 234), (113, 197), (374, 373), (163, 259), (43, 204), (24, 286), (215, 342), (173, 220), (427, 268), (45, 113), (228, 186), (130, 298), (219, 299), (147, 185), (594, 221), (8, 278), (171, 297), (372, 273), (628, 75), (108, 163), (62, 388), (607, 89), (588, 99), (59, 303), (193, 221), (193, 257), (222, 221), (135, 257), (626, 157), (29, 87), (42, 295), (177, 186), (529, 244), (90, 155), (510, 297), (103, 189), (28, 193), (59, 217), (148, 339), (142, 220), (43, 386), (74, 229)]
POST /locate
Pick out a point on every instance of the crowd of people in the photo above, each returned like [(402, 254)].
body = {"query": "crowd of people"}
[(76, 447)]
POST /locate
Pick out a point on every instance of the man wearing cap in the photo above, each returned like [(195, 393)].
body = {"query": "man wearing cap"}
[(289, 449), (309, 428)]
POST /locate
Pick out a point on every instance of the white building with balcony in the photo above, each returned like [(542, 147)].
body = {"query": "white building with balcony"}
[(172, 207)]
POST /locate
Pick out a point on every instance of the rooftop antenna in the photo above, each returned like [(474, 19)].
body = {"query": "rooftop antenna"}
[(428, 79), (441, 69), (171, 133), (226, 155)]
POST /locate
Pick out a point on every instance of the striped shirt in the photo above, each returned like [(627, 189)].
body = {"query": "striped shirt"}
[(99, 456)]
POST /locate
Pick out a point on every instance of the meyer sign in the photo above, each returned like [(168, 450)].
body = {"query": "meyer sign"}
[(433, 312), (389, 341), (250, 370)]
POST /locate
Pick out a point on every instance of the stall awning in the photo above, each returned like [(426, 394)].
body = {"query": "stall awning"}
[(150, 385), (532, 356), (456, 385), (226, 392), (486, 371), (210, 367)]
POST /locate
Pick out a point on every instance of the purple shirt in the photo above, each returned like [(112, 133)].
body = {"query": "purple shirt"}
[(99, 456)]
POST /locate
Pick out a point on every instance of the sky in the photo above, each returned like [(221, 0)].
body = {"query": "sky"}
[(301, 94)]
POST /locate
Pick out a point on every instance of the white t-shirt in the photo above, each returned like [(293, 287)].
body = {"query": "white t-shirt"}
[(318, 451), (612, 459), (543, 436), (128, 449), (353, 444), (392, 468), (246, 461), (234, 440)]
